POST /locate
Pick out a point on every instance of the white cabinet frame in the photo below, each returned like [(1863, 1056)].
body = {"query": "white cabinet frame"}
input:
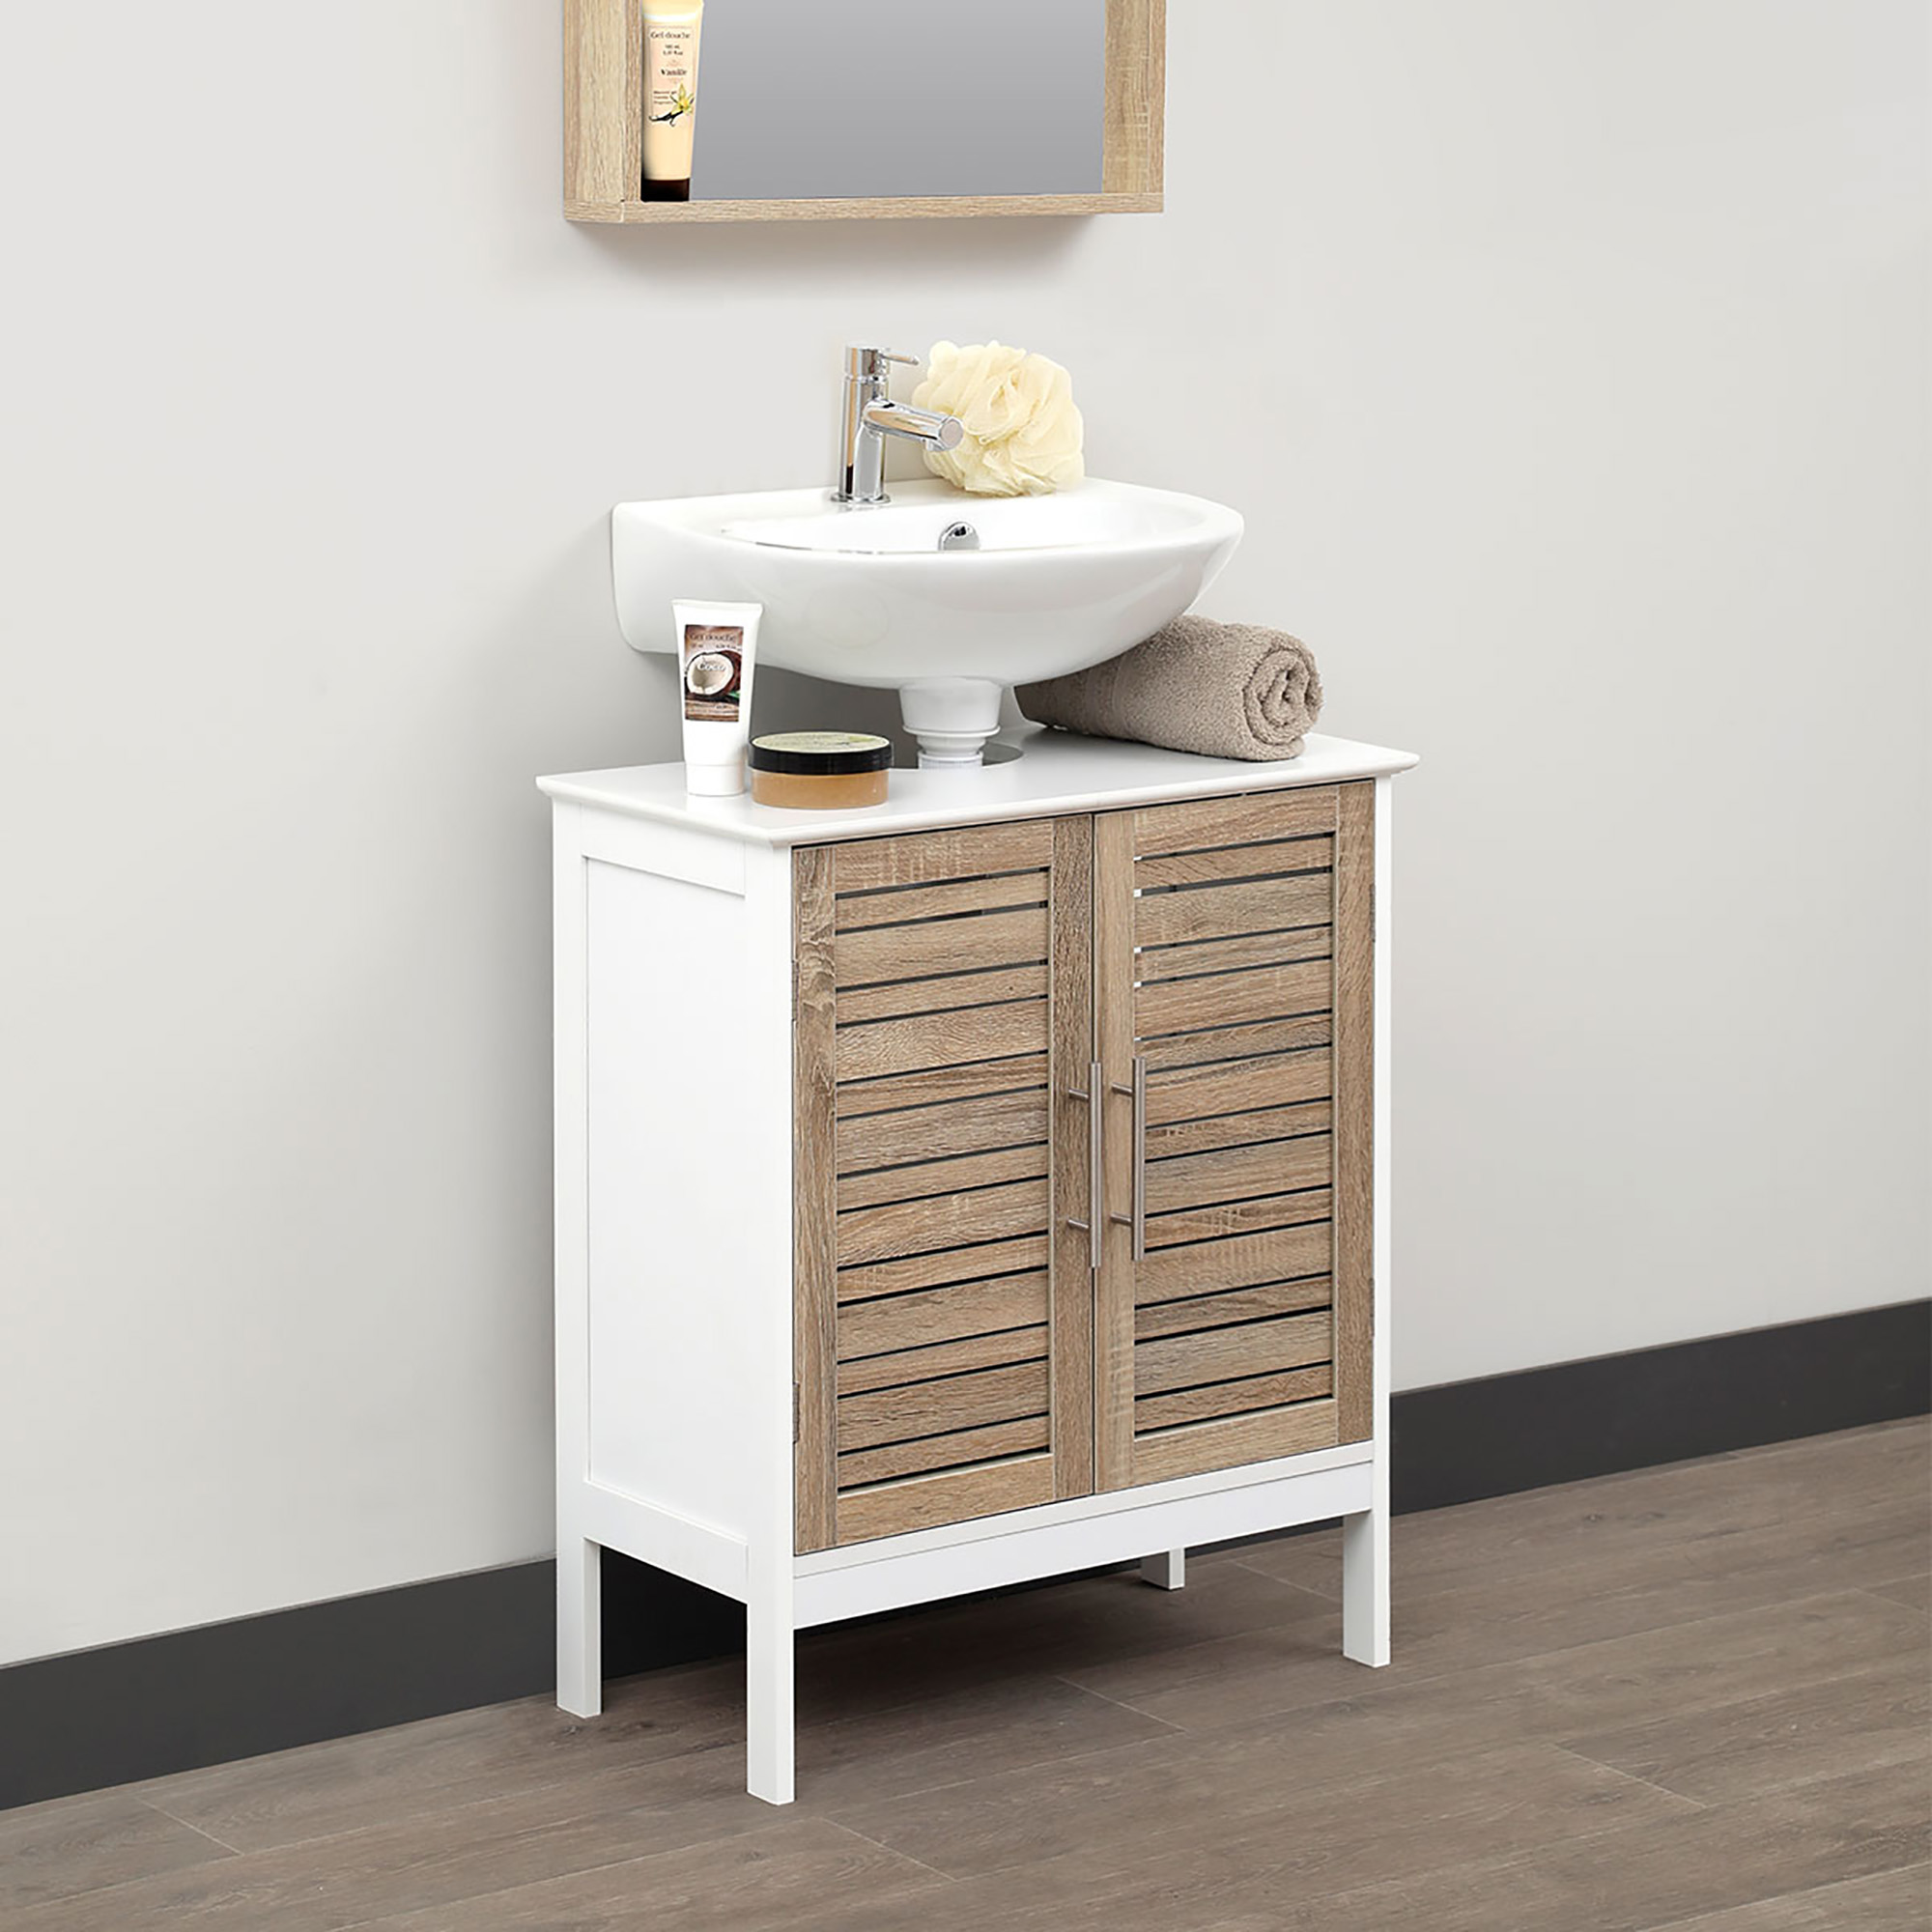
[(674, 1379)]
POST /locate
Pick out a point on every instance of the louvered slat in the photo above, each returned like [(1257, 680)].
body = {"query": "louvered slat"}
[(941, 1266), (940, 993), (937, 1408), (958, 1447), (1194, 913), (936, 1087), (1237, 1174), (941, 902), (871, 955), (1232, 1398), (947, 1221), (1222, 1354), (924, 1040), (1241, 1304), (938, 1315), (1243, 1260), (1236, 1043), (904, 1365), (915, 1134), (925, 1179), (1194, 1226), (1239, 1086), (1236, 862), (1250, 820), (1229, 1130), (865, 865), (952, 1496), (1224, 1444), (1230, 955), (1233, 998)]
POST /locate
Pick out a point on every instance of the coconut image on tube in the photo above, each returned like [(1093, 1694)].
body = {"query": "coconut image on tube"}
[(718, 646), (671, 37)]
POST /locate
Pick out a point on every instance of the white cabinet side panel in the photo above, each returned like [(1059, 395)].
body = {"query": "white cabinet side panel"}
[(674, 1352)]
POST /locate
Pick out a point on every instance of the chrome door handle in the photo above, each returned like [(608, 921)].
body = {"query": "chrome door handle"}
[(1137, 1220), (1097, 1129)]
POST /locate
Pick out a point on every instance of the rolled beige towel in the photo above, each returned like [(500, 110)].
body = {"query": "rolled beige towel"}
[(1227, 690)]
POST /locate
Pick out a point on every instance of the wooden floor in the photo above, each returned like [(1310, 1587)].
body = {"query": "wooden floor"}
[(1692, 1697)]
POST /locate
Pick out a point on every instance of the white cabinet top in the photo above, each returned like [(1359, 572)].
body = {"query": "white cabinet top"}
[(1058, 772)]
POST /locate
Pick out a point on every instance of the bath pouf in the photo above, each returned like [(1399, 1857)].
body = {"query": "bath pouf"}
[(1023, 433)]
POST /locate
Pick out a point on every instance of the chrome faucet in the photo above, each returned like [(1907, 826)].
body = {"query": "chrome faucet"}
[(871, 417)]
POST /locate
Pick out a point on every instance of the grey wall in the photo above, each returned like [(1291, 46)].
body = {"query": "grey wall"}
[(899, 96), (1568, 361)]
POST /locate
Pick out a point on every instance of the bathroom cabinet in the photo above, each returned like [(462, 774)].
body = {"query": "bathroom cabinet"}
[(978, 1187), (603, 125)]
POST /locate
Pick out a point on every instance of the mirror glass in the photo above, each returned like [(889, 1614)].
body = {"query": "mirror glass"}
[(808, 99)]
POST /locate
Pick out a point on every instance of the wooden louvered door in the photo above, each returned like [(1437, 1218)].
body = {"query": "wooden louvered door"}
[(1234, 992), (943, 1344)]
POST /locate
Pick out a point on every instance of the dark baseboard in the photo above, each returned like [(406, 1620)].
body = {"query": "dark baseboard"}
[(1466, 1440), (228, 1691)]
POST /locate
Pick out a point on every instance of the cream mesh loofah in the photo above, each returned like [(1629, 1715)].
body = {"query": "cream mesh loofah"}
[(1023, 433)]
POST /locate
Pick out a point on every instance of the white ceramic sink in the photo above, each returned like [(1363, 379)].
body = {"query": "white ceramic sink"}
[(867, 596)]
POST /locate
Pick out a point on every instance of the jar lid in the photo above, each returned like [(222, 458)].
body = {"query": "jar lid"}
[(821, 754)]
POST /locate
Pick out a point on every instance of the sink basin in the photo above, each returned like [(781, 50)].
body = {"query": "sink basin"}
[(1039, 585)]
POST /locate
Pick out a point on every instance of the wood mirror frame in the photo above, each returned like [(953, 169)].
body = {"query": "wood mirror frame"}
[(603, 132)]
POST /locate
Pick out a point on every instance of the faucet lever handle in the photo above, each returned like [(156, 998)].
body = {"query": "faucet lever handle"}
[(866, 365)]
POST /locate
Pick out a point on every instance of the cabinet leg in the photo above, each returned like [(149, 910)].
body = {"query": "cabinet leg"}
[(580, 1627), (1167, 1570), (1365, 1587), (768, 1643)]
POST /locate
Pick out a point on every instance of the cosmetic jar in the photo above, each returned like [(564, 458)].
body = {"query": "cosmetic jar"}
[(819, 771)]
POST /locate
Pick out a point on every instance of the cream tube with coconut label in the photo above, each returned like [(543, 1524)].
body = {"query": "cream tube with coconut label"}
[(670, 95), (717, 654)]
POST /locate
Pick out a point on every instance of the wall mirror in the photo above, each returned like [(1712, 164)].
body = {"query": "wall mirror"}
[(748, 110)]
